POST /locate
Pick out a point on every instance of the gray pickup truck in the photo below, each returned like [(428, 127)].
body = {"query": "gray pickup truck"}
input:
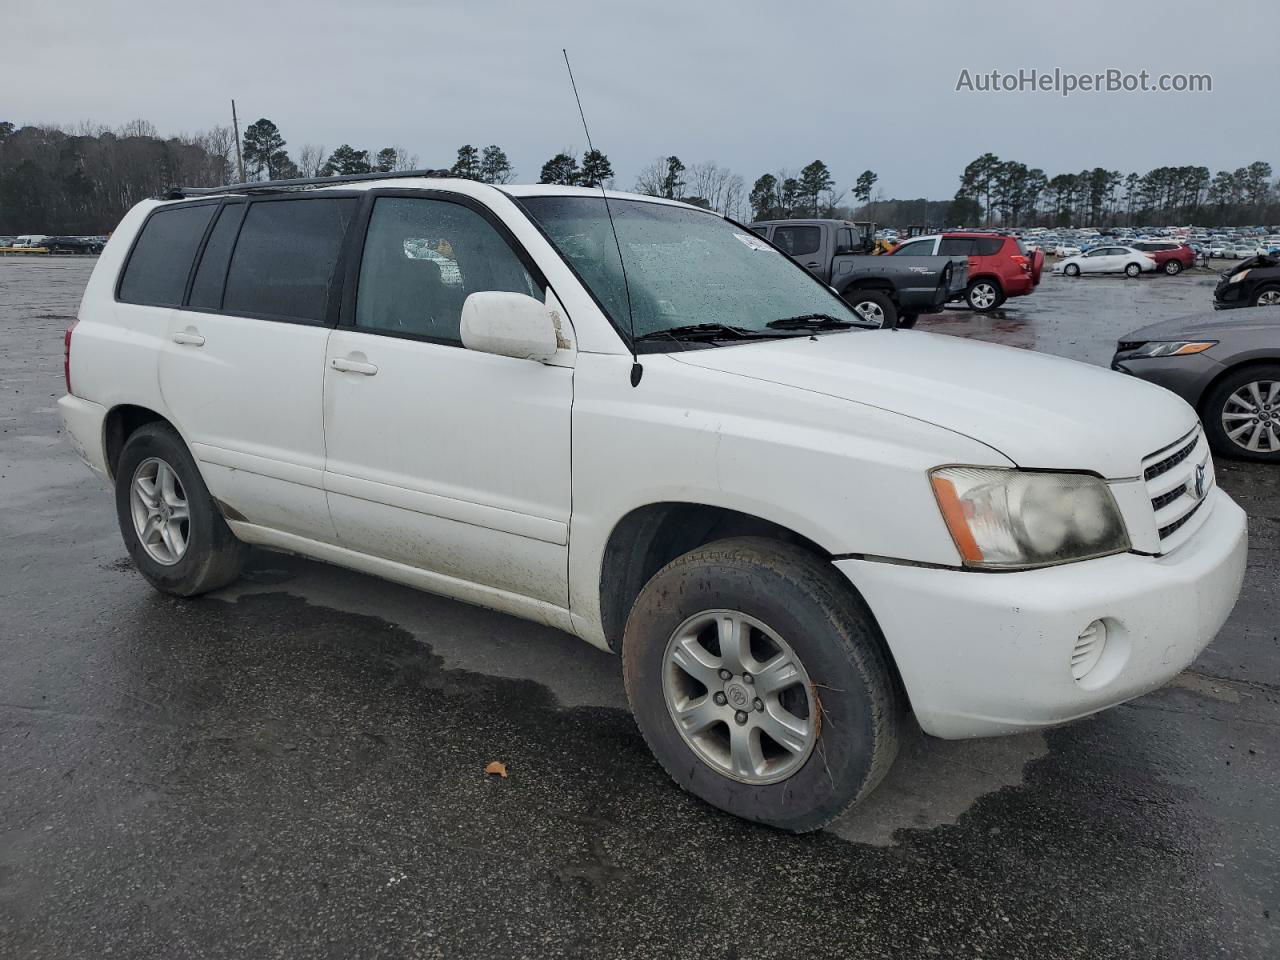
[(882, 290)]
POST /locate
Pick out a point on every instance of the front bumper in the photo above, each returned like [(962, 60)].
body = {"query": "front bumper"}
[(83, 421), (982, 654)]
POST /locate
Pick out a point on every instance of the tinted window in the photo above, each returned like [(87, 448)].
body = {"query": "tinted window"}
[(161, 259), (956, 247), (763, 231), (285, 257), (798, 241), (422, 258), (988, 246), (916, 248), (206, 289)]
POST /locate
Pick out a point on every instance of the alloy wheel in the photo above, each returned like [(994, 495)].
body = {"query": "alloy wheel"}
[(740, 697), (870, 311), (1251, 417), (161, 514), (1269, 298), (983, 296)]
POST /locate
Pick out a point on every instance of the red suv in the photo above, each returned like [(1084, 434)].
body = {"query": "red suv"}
[(999, 266), (1170, 255)]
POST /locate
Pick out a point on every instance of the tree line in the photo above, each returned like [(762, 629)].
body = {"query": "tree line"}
[(995, 192), (83, 180)]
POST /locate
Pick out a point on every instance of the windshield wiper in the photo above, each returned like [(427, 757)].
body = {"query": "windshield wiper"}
[(810, 321), (705, 331)]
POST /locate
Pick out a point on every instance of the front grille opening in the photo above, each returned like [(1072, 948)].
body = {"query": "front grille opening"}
[(1171, 461), (1176, 525), (1162, 501)]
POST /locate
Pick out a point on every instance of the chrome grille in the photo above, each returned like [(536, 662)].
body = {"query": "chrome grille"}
[(1179, 478)]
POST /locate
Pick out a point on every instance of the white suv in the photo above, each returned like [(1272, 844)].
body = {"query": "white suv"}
[(793, 530)]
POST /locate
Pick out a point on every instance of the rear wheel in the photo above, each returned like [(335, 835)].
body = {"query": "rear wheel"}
[(873, 307), (168, 520), (1242, 414), (1173, 267), (760, 682), (908, 320), (1268, 296), (1133, 270), (984, 295)]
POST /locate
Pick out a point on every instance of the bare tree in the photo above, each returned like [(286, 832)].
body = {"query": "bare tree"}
[(311, 159), (404, 160), (650, 179), (719, 186), (138, 128)]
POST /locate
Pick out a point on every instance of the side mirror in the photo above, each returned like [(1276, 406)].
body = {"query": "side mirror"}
[(509, 325)]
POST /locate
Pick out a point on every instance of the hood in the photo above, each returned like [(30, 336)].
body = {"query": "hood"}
[(1040, 411), (1206, 326)]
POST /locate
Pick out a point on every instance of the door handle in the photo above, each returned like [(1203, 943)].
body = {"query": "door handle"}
[(813, 263), (189, 337), (346, 365)]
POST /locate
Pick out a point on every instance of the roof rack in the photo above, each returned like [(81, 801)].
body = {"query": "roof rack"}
[(273, 186)]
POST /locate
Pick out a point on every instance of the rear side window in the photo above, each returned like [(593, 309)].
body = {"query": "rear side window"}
[(206, 290), (157, 271), (798, 241), (988, 246), (956, 247), (285, 258)]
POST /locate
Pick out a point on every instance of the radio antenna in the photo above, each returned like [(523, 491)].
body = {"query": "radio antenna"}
[(637, 371)]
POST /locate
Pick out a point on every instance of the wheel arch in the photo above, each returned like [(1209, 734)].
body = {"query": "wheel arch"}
[(649, 537), (1253, 360), (119, 424)]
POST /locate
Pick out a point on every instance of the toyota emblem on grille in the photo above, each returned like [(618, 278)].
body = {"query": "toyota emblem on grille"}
[(1201, 483)]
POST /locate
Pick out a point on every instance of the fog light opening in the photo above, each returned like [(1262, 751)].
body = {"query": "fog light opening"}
[(1090, 646)]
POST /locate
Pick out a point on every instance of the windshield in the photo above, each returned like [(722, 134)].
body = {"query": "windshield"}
[(684, 267)]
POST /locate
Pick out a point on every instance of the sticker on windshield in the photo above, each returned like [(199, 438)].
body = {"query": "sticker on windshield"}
[(752, 241)]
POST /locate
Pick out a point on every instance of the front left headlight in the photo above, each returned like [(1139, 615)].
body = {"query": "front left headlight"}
[(1170, 348), (1012, 519)]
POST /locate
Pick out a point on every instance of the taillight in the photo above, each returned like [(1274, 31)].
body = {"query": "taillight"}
[(66, 354), (1022, 261)]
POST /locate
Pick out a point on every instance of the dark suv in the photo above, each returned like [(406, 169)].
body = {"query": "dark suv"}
[(1252, 283)]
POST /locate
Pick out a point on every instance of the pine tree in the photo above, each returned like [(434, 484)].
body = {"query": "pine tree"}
[(264, 150), (562, 169), (596, 169), (494, 165)]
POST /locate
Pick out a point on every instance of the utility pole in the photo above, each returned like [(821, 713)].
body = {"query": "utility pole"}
[(235, 124)]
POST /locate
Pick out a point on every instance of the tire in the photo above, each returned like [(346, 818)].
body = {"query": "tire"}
[(1228, 407), (1268, 296), (786, 592), (1133, 270), (1072, 270), (984, 295), (874, 307), (1172, 267), (907, 320), (210, 556)]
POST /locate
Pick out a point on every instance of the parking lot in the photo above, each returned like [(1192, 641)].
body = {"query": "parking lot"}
[(294, 766)]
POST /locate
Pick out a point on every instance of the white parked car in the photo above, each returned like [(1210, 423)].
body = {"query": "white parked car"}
[(1124, 260), (1218, 250), (792, 530), (1066, 250)]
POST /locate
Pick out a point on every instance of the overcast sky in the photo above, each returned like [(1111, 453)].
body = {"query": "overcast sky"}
[(752, 86)]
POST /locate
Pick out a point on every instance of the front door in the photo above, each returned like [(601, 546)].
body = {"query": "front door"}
[(444, 459)]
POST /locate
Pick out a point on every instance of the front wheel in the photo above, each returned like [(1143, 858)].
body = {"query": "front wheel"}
[(984, 295), (1266, 297), (873, 308), (1242, 414), (1133, 270), (761, 683), (907, 320), (169, 522), (1172, 267), (1071, 270)]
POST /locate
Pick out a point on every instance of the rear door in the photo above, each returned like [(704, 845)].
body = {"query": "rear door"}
[(806, 243), (243, 372)]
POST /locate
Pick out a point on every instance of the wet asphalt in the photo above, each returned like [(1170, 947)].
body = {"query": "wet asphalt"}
[(293, 767)]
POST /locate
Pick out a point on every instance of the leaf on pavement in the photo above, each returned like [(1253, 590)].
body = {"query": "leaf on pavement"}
[(498, 767)]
